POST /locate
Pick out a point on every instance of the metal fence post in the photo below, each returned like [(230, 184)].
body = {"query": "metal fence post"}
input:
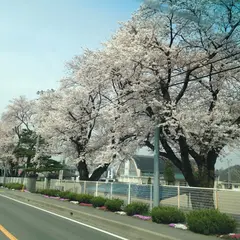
[(46, 183), (84, 188), (178, 197), (216, 198), (188, 199), (129, 193), (151, 196), (4, 175), (111, 190), (74, 187), (64, 186), (96, 193)]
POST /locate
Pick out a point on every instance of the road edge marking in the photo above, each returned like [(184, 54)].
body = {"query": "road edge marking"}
[(98, 217), (66, 218), (7, 233)]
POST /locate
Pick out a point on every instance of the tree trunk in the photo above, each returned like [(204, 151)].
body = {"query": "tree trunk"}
[(12, 170), (201, 180), (83, 171), (202, 197), (28, 161), (98, 172)]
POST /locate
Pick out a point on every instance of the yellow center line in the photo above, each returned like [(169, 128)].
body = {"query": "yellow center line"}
[(7, 233)]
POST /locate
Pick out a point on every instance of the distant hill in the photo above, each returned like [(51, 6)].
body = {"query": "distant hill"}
[(234, 171)]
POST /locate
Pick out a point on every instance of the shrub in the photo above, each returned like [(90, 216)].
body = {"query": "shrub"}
[(16, 186), (98, 201), (40, 191), (64, 194), (54, 193), (84, 198), (167, 215), (210, 221), (136, 208), (114, 205), (50, 192), (72, 196)]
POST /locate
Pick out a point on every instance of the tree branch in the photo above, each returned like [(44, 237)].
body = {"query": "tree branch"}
[(124, 138), (91, 128), (98, 172), (149, 145), (170, 154), (185, 83), (187, 167), (71, 115)]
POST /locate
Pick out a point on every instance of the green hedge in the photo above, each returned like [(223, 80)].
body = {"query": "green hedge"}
[(114, 205), (136, 208), (64, 194), (57, 193), (72, 196), (39, 191), (49, 192), (210, 221), (84, 198), (16, 186), (81, 198), (167, 215), (98, 201)]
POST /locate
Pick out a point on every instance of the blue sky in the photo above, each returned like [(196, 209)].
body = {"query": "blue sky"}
[(39, 36)]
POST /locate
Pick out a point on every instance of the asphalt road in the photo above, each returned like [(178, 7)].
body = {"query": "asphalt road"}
[(21, 222)]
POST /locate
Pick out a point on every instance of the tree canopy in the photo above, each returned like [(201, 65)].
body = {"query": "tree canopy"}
[(173, 65)]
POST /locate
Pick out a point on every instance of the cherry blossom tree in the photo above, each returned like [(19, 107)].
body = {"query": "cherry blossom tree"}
[(8, 141), (176, 66), (19, 113), (69, 118), (17, 118)]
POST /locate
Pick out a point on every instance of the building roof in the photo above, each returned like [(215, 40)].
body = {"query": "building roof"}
[(146, 164)]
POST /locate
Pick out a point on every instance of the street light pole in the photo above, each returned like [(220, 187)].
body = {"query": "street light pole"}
[(156, 197)]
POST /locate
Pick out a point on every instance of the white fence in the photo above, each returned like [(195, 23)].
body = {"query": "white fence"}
[(182, 197), (14, 180)]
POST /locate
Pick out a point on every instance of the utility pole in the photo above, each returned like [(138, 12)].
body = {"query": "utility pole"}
[(156, 197)]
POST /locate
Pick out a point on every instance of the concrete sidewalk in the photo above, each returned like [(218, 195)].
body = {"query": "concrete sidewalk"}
[(125, 226)]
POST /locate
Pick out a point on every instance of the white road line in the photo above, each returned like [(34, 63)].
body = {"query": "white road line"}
[(66, 218)]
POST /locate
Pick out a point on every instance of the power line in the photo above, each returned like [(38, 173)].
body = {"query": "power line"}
[(215, 73), (225, 70), (181, 73)]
